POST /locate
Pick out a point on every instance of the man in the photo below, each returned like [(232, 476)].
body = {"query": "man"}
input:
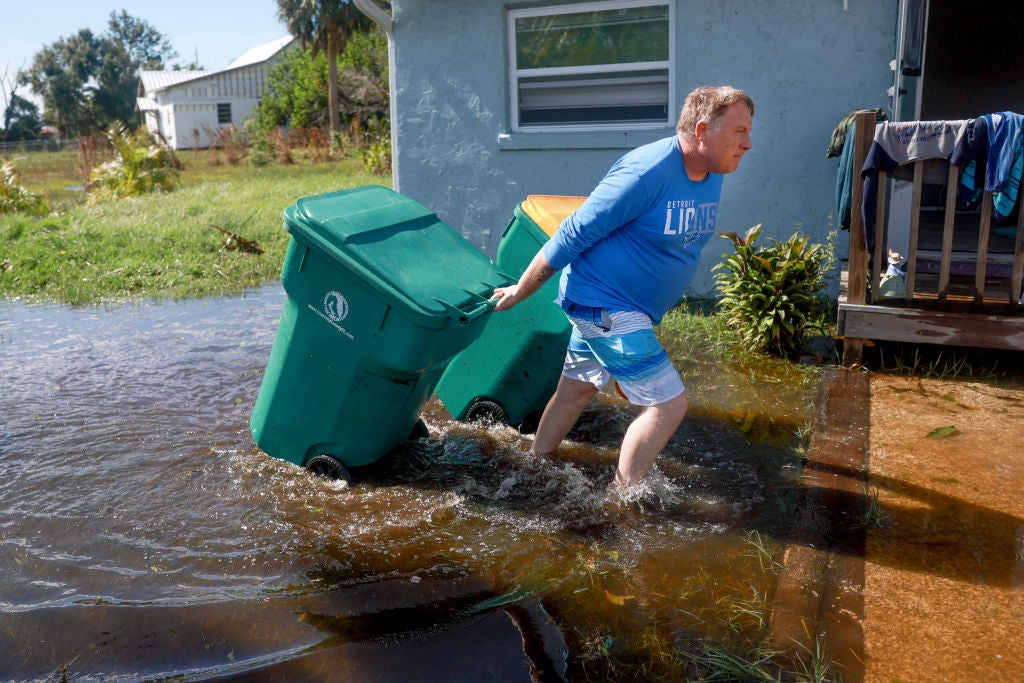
[(627, 255)]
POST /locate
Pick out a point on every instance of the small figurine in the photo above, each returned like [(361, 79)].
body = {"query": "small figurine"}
[(893, 281)]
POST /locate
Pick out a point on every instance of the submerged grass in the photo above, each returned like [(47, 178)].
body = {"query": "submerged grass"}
[(936, 363)]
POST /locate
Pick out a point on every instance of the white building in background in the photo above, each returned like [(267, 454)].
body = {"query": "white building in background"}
[(186, 107)]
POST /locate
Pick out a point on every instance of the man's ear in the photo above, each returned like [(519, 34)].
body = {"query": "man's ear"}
[(700, 129)]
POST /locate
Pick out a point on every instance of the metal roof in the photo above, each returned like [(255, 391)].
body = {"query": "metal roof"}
[(261, 53), (159, 80)]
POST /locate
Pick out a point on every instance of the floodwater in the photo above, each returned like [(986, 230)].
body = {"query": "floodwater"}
[(144, 537)]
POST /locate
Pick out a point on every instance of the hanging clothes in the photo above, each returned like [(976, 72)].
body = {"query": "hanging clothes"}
[(842, 145), (1004, 135), (837, 143), (898, 143), (970, 149), (994, 140), (844, 181)]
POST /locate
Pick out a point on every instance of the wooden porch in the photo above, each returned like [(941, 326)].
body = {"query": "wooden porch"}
[(962, 283)]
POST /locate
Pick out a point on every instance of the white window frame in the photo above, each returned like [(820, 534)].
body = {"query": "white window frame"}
[(516, 73)]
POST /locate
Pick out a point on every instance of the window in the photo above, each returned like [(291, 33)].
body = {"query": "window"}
[(224, 113), (591, 65)]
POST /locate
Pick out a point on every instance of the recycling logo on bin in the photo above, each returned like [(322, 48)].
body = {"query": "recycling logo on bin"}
[(336, 306), (335, 309)]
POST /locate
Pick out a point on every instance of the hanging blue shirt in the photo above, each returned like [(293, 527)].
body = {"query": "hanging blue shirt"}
[(1004, 136), (635, 242)]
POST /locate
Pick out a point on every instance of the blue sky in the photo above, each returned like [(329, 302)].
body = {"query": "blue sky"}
[(218, 31)]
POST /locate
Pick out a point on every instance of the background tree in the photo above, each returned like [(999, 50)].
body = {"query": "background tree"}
[(296, 93), (146, 47), (324, 25), (19, 113), (60, 75), (22, 120), (87, 82), (128, 45)]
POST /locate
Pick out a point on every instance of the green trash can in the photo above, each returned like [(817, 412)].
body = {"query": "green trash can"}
[(508, 374), (381, 294)]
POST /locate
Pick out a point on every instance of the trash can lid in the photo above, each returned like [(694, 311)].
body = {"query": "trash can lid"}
[(399, 248), (548, 211)]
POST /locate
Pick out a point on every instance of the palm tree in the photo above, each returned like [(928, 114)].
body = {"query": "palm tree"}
[(323, 25)]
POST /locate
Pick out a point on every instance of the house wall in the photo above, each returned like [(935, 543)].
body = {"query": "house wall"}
[(806, 63), (192, 105), (179, 119)]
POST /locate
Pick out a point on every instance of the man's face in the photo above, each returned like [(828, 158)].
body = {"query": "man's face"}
[(728, 140)]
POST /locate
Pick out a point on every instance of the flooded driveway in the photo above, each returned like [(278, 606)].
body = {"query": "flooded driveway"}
[(144, 537)]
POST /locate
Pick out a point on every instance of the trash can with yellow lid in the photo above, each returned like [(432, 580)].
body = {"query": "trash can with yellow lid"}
[(381, 295), (508, 374)]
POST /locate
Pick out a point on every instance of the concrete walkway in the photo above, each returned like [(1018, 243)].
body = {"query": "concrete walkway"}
[(911, 565)]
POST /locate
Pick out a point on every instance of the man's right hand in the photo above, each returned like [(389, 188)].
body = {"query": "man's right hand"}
[(537, 273), (507, 297)]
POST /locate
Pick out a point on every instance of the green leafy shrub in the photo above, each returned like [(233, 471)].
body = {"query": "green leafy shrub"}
[(136, 169), (770, 295), (376, 155), (16, 199)]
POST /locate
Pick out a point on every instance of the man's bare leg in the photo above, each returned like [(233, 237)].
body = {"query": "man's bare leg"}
[(561, 413), (646, 437)]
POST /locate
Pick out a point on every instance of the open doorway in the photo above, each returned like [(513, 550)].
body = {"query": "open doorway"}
[(973, 59)]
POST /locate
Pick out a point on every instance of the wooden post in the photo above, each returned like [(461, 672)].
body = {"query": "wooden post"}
[(857, 260), (949, 220), (880, 259), (915, 230), (1018, 266), (981, 263)]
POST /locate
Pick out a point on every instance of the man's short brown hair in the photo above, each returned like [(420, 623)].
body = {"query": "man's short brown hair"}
[(707, 104)]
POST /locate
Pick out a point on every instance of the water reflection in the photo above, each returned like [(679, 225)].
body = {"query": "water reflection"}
[(143, 536)]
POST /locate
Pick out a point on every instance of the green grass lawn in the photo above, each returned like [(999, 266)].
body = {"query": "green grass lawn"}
[(159, 246)]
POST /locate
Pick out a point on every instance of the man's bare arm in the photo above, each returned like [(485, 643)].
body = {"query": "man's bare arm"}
[(537, 273)]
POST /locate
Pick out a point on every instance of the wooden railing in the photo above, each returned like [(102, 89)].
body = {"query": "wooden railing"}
[(985, 314)]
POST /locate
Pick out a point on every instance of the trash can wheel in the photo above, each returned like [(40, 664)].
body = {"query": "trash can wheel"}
[(487, 412), (328, 466), (419, 431)]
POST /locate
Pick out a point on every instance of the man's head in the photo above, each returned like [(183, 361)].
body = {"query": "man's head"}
[(708, 104), (714, 125)]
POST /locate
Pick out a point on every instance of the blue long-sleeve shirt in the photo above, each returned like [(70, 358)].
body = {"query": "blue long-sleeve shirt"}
[(635, 242)]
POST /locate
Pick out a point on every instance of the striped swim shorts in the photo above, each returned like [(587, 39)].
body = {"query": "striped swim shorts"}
[(621, 345)]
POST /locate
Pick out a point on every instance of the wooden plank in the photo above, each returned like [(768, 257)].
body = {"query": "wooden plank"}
[(1018, 265), (915, 228), (952, 180), (864, 125), (857, 257), (982, 259), (933, 327), (881, 236), (820, 587)]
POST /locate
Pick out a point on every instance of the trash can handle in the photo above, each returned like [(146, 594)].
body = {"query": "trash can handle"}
[(480, 306)]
